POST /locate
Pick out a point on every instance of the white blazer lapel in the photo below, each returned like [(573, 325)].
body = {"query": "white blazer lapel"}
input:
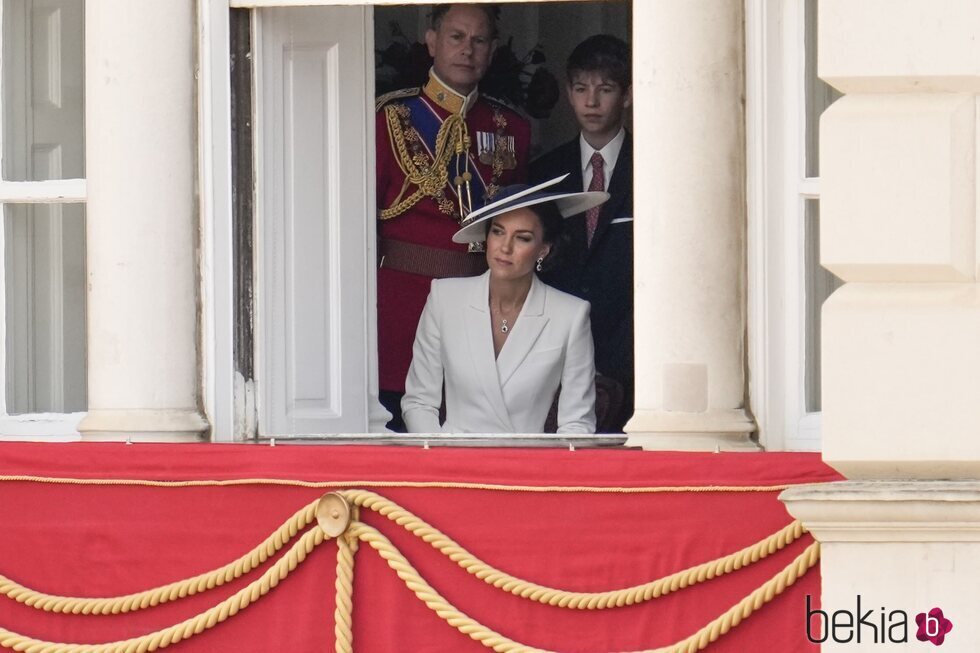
[(480, 341), (528, 327)]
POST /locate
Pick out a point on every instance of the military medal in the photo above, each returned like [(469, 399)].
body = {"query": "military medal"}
[(484, 147), (505, 152)]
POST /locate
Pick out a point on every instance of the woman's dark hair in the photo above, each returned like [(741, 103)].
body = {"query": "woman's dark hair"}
[(552, 228), (551, 221)]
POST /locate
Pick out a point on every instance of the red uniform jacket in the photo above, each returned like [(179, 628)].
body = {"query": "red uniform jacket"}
[(407, 123)]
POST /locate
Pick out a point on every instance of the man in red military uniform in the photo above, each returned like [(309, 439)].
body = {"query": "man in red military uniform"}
[(442, 150)]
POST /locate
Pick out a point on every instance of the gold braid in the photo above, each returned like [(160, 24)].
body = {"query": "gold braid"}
[(432, 179)]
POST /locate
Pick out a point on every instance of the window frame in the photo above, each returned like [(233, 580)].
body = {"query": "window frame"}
[(777, 191), (229, 402), (774, 342)]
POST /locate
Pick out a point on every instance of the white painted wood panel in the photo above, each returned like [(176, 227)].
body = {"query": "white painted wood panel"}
[(314, 220)]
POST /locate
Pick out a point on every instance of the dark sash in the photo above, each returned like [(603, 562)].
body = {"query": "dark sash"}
[(427, 123)]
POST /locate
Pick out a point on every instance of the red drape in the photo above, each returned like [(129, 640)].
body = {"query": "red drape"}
[(94, 540)]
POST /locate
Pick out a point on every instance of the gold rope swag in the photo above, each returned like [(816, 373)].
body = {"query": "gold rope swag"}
[(337, 517)]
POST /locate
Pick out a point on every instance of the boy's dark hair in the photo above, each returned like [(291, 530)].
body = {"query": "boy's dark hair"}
[(604, 54), (439, 12)]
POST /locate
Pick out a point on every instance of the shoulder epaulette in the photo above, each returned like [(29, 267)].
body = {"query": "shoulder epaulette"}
[(382, 100), (504, 104)]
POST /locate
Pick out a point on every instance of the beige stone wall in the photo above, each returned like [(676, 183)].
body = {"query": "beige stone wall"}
[(901, 339), (900, 348)]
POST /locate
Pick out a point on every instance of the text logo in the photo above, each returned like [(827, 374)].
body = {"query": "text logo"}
[(874, 625), (933, 626)]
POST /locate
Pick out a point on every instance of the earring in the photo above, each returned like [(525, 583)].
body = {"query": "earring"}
[(540, 261)]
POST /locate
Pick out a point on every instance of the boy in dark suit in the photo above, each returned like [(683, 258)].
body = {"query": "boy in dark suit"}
[(595, 262)]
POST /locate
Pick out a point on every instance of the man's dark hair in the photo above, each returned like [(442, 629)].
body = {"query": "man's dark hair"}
[(603, 54), (439, 12)]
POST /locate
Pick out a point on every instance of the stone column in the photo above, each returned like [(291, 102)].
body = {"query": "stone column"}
[(142, 223), (689, 227), (901, 339)]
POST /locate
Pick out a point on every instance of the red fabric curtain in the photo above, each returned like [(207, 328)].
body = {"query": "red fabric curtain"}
[(104, 540)]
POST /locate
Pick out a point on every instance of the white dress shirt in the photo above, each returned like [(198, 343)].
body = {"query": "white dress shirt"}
[(609, 155)]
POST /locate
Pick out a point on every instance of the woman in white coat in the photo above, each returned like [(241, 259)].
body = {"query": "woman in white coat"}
[(502, 343)]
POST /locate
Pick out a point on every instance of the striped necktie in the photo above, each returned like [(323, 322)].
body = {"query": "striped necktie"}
[(598, 183)]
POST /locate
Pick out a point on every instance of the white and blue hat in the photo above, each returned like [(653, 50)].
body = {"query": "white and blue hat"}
[(473, 227)]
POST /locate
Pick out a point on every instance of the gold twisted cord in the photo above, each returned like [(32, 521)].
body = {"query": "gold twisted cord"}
[(494, 640), (171, 592), (343, 626), (429, 179), (744, 608), (562, 598), (189, 627), (448, 485), (428, 595)]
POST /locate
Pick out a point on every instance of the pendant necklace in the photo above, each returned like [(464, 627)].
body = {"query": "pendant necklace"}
[(505, 324)]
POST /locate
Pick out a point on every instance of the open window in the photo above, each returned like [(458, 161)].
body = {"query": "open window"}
[(302, 246)]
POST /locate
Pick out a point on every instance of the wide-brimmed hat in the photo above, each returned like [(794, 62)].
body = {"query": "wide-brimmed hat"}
[(473, 228)]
